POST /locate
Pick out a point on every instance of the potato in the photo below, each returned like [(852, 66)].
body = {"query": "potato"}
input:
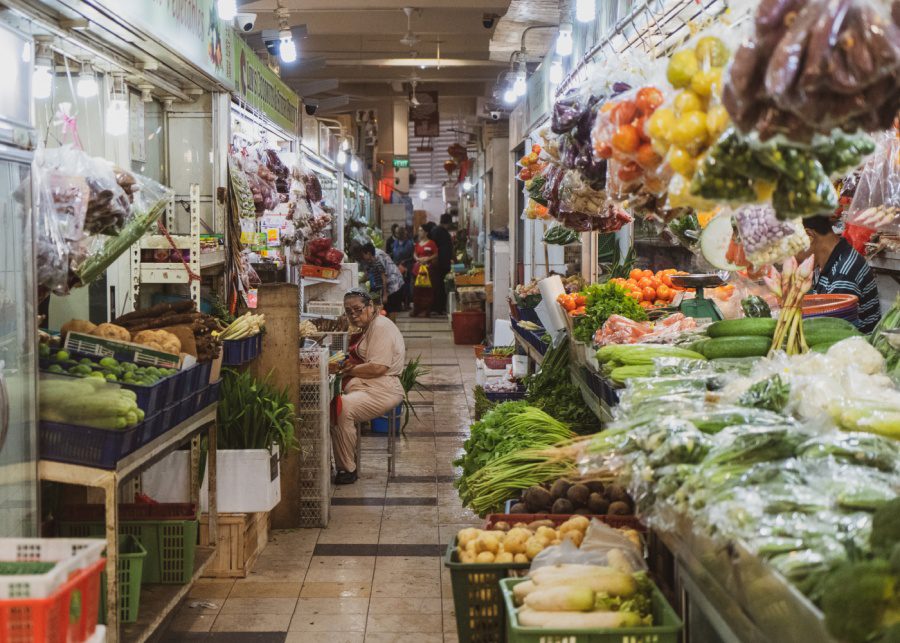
[(470, 549), (568, 525), (502, 526), (633, 536), (487, 542), (535, 546), (579, 522), (520, 525), (467, 535), (515, 541), (485, 557), (520, 558), (545, 532), (575, 536), (504, 557), (555, 541), (535, 524), (466, 557)]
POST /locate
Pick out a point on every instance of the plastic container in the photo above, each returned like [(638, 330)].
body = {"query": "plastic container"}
[(381, 425), (212, 394), (167, 531), (88, 446), (528, 314), (468, 327), (505, 396), (666, 628), (497, 363), (68, 614), (129, 570), (830, 305), (65, 555), (619, 522)]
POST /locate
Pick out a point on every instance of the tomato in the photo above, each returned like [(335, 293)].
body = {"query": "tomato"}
[(667, 280), (525, 174), (664, 292), (626, 139), (648, 99), (635, 274), (636, 295), (649, 294), (580, 301), (536, 148), (624, 112), (647, 157), (643, 282), (604, 151), (647, 273), (646, 304), (629, 172), (641, 129)]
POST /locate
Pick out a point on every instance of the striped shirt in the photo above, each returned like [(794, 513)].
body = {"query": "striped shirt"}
[(847, 273), (383, 268)]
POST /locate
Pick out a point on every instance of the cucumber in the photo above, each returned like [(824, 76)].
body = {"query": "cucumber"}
[(817, 323), (821, 335), (759, 326), (823, 347), (743, 346)]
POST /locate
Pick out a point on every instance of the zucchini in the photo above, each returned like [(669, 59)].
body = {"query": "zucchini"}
[(759, 326), (744, 346), (821, 335)]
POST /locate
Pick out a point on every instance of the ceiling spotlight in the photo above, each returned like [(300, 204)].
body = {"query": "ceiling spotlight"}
[(87, 84), (227, 10), (509, 96), (423, 194), (585, 10), (556, 72), (42, 78), (467, 185), (564, 44), (354, 165), (287, 50), (345, 144), (341, 157)]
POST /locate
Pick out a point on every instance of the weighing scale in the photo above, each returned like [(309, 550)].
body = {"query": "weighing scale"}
[(699, 307)]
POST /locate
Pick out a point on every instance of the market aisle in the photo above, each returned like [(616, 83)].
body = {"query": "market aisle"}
[(376, 573)]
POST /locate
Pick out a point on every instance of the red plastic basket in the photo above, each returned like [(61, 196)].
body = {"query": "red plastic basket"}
[(828, 304), (68, 615), (496, 363), (619, 522)]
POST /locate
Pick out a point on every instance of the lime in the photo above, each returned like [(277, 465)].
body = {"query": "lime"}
[(62, 356)]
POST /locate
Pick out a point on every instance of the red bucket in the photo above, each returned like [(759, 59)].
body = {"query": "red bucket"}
[(468, 327)]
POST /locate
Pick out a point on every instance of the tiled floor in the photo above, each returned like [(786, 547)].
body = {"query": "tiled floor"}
[(376, 573)]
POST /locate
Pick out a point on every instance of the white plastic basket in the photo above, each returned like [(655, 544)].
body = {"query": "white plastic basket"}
[(325, 308), (69, 554)]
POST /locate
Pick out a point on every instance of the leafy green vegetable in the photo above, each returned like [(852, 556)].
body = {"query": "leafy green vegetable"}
[(771, 394), (754, 306), (551, 391), (860, 599), (482, 403), (603, 301)]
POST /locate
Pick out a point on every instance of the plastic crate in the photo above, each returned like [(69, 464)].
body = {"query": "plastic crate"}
[(66, 556), (505, 396), (129, 571), (212, 393), (88, 446), (666, 628), (167, 531), (619, 522), (68, 614), (324, 308), (496, 363), (528, 314)]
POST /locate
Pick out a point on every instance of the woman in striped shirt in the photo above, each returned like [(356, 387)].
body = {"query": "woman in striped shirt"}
[(842, 270)]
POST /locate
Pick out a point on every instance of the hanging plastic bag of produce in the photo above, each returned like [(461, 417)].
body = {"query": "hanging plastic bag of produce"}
[(876, 202), (560, 235), (767, 239)]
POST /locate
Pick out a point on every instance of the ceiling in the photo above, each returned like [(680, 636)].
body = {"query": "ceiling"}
[(357, 43)]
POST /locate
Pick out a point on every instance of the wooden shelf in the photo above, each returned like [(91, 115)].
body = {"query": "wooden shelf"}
[(530, 350), (158, 601), (599, 408)]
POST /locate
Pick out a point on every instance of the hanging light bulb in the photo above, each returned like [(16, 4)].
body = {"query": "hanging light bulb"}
[(585, 10), (556, 72), (345, 144), (354, 165), (42, 78), (87, 84), (564, 42), (341, 157), (520, 84), (509, 96), (227, 9), (423, 194), (467, 185), (117, 110), (287, 50)]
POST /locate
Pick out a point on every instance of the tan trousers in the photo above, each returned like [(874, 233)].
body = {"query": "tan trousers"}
[(362, 400)]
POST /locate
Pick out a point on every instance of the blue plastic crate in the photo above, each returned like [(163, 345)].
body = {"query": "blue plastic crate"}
[(205, 372), (88, 446), (213, 392), (168, 419), (528, 314), (232, 352)]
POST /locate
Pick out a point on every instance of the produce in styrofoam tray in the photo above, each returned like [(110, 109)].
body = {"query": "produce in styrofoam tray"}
[(621, 330)]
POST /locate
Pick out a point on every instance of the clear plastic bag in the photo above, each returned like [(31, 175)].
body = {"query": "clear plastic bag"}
[(876, 202), (766, 238), (602, 545)]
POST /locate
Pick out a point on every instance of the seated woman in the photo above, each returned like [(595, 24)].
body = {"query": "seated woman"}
[(371, 385)]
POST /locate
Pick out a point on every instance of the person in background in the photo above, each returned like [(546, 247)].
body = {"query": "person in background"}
[(389, 242), (385, 279), (371, 383), (403, 257), (842, 270), (441, 237), (425, 254)]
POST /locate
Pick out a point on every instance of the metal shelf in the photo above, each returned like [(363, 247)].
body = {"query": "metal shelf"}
[(110, 481), (212, 259), (311, 281), (889, 261)]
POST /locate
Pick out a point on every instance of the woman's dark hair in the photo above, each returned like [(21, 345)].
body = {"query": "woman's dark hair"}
[(360, 293), (446, 219), (367, 248), (394, 228), (428, 226), (819, 224)]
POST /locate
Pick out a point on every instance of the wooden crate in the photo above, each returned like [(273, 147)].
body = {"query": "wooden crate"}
[(469, 280), (241, 539)]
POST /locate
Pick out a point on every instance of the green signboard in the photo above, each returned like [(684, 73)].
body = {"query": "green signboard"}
[(261, 88), (401, 162)]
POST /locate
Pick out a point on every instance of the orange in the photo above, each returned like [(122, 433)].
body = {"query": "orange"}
[(647, 273), (626, 139), (635, 274), (644, 282), (648, 294), (636, 295)]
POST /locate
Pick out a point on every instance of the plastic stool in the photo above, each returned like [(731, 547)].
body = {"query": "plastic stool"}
[(393, 417)]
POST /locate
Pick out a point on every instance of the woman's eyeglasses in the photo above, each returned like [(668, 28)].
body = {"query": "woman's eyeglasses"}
[(356, 310)]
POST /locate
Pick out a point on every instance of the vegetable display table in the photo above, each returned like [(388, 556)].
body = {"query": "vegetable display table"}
[(157, 601), (530, 350)]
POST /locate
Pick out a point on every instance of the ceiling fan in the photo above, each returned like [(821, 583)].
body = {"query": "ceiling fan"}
[(410, 39)]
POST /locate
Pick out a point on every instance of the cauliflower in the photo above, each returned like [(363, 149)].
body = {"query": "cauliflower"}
[(856, 353)]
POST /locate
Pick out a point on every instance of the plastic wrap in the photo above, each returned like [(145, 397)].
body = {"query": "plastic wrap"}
[(766, 239), (602, 545), (876, 201)]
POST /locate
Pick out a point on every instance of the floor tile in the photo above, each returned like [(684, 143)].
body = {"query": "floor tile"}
[(265, 589), (330, 637), (332, 606), (257, 605), (392, 622), (341, 569), (328, 623), (336, 590), (252, 622), (211, 588)]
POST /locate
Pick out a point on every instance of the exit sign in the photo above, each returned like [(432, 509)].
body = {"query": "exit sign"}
[(401, 162)]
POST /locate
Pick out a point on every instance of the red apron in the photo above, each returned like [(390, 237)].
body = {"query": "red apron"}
[(353, 359)]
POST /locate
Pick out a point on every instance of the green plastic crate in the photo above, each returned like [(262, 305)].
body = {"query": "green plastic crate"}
[(477, 600), (129, 570), (666, 629), (170, 545)]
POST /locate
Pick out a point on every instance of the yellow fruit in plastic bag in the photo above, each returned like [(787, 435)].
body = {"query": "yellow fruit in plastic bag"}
[(712, 51), (688, 101), (717, 121), (681, 161), (704, 81), (690, 131), (659, 146), (682, 67), (660, 124)]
